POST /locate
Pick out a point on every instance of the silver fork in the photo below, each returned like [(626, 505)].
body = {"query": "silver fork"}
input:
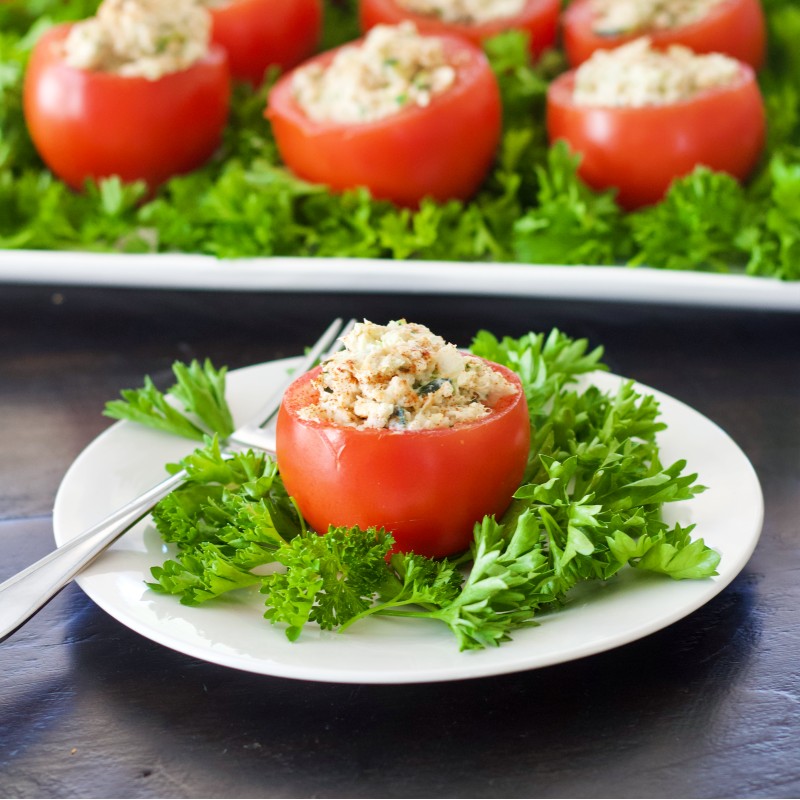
[(22, 595)]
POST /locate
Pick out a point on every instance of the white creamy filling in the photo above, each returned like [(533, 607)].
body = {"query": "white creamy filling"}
[(403, 377), (636, 75), (140, 38), (612, 17), (394, 67), (465, 12)]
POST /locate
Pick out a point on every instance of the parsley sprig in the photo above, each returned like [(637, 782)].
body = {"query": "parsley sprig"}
[(199, 388), (590, 505)]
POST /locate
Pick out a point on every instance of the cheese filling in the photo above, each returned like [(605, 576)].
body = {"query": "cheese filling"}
[(394, 67), (464, 12), (637, 75), (140, 38), (614, 17), (401, 376)]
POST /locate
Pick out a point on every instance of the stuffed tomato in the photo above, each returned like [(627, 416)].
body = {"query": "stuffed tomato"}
[(638, 141), (474, 21), (405, 115), (380, 437), (96, 109), (733, 27), (258, 34)]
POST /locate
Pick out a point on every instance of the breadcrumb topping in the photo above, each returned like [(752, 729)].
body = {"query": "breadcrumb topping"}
[(392, 68), (614, 17), (637, 74), (401, 376), (464, 12), (140, 38)]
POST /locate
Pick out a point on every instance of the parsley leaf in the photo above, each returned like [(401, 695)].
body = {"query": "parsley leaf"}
[(230, 516), (329, 579), (570, 224), (505, 586), (201, 574), (199, 388)]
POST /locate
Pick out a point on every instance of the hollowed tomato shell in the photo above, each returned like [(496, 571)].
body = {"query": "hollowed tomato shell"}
[(734, 27), (538, 18), (428, 488), (640, 151), (258, 34), (90, 124), (442, 150)]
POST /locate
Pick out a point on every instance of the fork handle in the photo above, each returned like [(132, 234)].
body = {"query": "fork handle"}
[(28, 591)]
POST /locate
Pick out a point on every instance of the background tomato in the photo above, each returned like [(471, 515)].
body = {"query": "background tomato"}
[(442, 150), (734, 27), (427, 487), (538, 18), (641, 150), (260, 33), (88, 124)]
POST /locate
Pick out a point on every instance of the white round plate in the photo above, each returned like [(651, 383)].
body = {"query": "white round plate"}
[(127, 459)]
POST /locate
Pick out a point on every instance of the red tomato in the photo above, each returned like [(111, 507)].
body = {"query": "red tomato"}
[(428, 488), (443, 150), (538, 18), (261, 33), (89, 124), (734, 27), (641, 150)]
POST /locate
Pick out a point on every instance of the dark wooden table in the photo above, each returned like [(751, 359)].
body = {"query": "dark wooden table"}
[(709, 707)]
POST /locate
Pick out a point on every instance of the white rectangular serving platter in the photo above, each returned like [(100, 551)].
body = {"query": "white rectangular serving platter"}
[(593, 283)]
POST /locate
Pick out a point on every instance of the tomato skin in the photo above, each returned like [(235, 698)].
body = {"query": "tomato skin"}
[(641, 150), (415, 153), (261, 33), (427, 488), (89, 124), (539, 18), (735, 27)]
